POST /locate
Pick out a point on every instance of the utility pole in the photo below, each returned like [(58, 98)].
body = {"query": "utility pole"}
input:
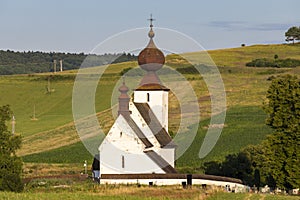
[(54, 66), (61, 66), (13, 125), (33, 117)]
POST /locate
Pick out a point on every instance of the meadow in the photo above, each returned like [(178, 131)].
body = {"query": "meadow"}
[(56, 189)]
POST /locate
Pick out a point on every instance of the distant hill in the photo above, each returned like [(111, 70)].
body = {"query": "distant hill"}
[(238, 57), (36, 62)]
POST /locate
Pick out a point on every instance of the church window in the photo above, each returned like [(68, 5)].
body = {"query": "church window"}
[(121, 134), (123, 162), (148, 97)]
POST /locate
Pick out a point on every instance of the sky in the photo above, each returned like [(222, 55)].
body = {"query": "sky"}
[(78, 26)]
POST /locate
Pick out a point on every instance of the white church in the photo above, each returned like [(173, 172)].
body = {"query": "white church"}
[(139, 142), (138, 147)]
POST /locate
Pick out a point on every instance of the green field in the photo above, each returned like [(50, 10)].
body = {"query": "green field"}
[(52, 138)]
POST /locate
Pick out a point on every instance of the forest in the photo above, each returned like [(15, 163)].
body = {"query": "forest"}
[(29, 62)]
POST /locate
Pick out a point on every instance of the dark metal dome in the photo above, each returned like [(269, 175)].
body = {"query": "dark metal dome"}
[(151, 58)]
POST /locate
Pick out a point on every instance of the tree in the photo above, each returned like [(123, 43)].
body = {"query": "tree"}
[(235, 166), (292, 34), (10, 164), (282, 147), (283, 106)]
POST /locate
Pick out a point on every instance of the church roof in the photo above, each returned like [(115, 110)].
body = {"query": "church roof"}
[(151, 58), (162, 163), (159, 132)]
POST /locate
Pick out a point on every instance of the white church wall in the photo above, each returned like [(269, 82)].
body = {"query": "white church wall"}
[(158, 102), (168, 154), (123, 136), (237, 186), (117, 161), (139, 120), (122, 152)]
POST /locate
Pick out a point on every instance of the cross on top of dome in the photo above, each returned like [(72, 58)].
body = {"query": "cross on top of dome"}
[(151, 20)]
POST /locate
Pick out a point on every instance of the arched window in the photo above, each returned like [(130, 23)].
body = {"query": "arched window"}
[(148, 97)]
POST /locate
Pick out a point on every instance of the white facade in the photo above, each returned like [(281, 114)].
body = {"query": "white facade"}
[(158, 102), (123, 151), (237, 187)]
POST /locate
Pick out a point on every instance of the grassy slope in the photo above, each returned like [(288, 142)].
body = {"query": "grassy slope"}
[(245, 89), (244, 125), (67, 189), (238, 57), (22, 92)]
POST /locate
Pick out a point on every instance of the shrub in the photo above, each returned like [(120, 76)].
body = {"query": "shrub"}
[(280, 63)]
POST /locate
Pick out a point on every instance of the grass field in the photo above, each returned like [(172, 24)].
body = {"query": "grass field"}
[(238, 57), (57, 189)]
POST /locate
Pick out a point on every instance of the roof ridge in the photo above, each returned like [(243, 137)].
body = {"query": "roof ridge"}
[(158, 131), (138, 131)]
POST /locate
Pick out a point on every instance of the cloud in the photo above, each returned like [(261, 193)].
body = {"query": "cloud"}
[(271, 27), (230, 25), (243, 25)]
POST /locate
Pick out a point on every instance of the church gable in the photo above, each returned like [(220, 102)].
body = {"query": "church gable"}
[(126, 136), (121, 138)]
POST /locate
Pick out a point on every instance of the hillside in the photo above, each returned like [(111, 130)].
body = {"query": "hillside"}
[(52, 136), (238, 57)]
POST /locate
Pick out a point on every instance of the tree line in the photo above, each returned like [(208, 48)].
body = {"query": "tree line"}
[(36, 62)]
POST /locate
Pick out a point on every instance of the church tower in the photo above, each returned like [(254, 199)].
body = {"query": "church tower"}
[(151, 90)]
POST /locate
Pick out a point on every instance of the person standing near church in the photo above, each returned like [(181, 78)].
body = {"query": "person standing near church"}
[(96, 168)]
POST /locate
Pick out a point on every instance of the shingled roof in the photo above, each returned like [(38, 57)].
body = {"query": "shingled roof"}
[(159, 132), (162, 163), (138, 131)]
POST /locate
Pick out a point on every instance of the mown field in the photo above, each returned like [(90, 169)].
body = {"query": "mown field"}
[(52, 138), (56, 189)]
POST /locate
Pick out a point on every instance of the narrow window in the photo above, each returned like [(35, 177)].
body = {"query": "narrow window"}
[(121, 134), (148, 97), (123, 162)]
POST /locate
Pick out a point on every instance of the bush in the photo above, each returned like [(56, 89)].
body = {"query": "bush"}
[(124, 71), (12, 182), (279, 63), (188, 70), (10, 164)]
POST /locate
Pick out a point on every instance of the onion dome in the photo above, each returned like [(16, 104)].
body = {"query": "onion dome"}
[(124, 100), (151, 59), (123, 89)]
